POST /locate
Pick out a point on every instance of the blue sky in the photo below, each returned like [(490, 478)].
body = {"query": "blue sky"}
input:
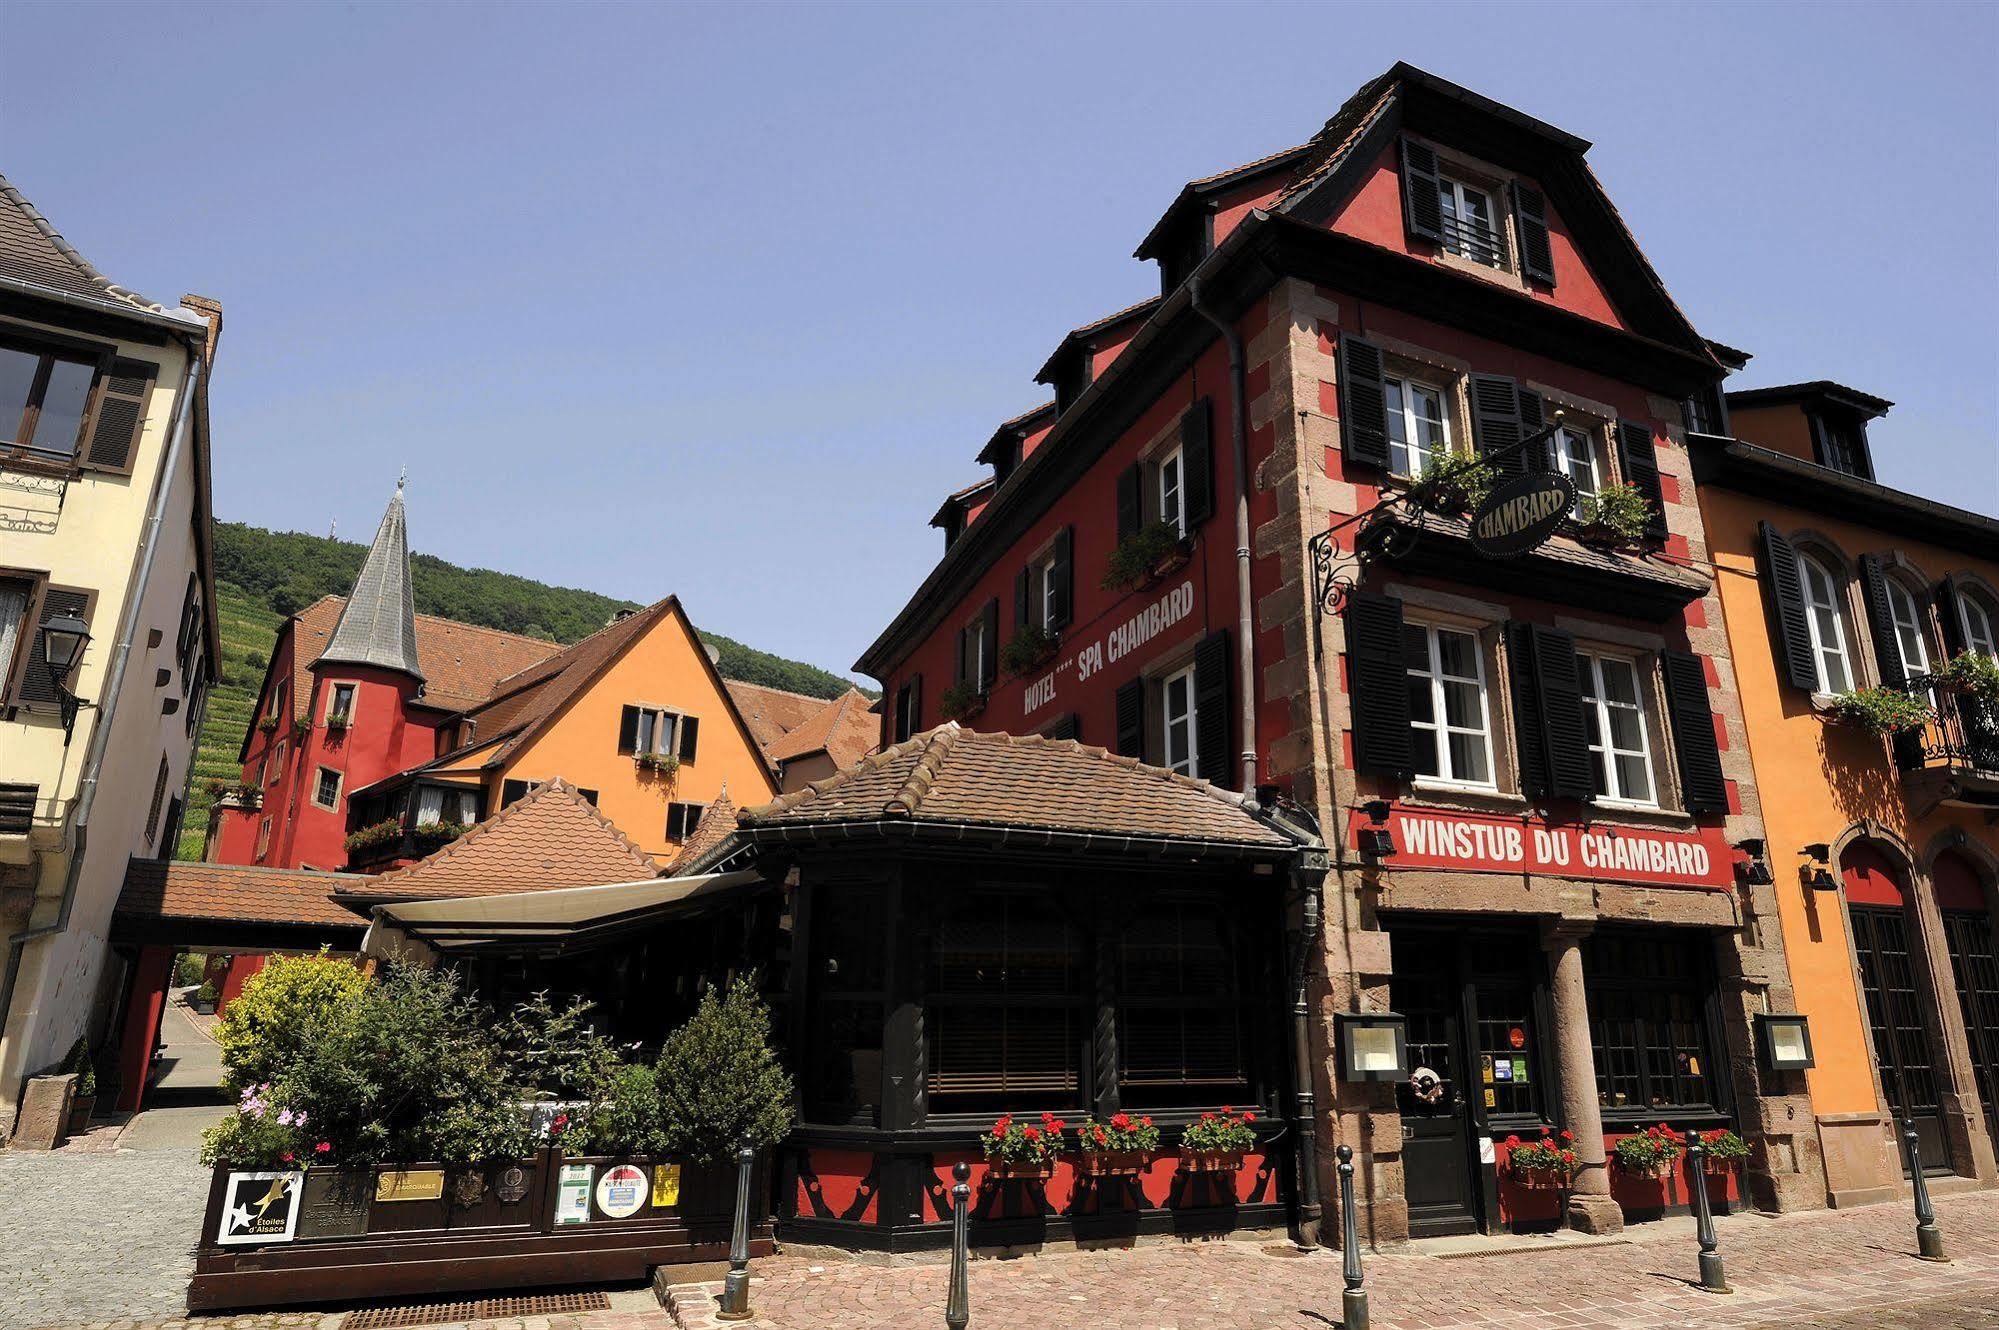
[(722, 300)]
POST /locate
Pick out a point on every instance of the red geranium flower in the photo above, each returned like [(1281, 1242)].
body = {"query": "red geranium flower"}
[(1249, 1117), (322, 1147), (1122, 1121), (1227, 1109), (1513, 1142), (1031, 1133), (287, 1156), (1005, 1124), (1568, 1135), (1146, 1120)]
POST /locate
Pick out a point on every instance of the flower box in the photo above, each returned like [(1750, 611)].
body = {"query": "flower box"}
[(1601, 536), (1210, 1161), (1657, 1172), (1112, 1163), (1020, 1170), (1170, 563), (1540, 1179), (1717, 1168)]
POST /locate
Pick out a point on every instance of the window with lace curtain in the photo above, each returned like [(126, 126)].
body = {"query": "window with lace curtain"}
[(16, 594)]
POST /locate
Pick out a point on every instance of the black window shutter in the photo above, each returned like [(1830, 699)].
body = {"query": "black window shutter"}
[(1529, 734), (1065, 579), (690, 737), (1129, 509), (915, 704), (1530, 221), (1065, 727), (1211, 709), (628, 730), (1197, 461), (1495, 419), (1131, 719), (121, 411), (1021, 605), (1422, 210), (1531, 420), (1380, 682), (1701, 781), (37, 689), (1881, 622), (1363, 403), (1558, 690), (1789, 628), (1638, 459), (989, 646), (959, 674), (1950, 614)]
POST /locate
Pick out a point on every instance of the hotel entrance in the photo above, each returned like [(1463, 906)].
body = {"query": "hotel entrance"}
[(1476, 1002)]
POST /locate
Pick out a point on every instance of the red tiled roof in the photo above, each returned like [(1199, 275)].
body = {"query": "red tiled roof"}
[(33, 251), (971, 778), (717, 821), (462, 663), (550, 837), (232, 893), (843, 729), (772, 713)]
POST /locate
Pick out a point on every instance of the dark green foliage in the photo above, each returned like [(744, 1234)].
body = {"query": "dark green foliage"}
[(720, 1083), (555, 1052), (628, 1121)]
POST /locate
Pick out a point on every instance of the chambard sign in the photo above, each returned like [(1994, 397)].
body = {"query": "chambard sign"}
[(1521, 514)]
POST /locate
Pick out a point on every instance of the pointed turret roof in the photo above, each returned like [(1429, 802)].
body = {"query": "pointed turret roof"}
[(378, 626)]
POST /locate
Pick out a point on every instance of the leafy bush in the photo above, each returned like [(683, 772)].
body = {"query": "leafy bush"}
[(261, 1133), (1971, 672), (1618, 511), (372, 835), (555, 1053), (1721, 1143), (628, 1120), (1453, 482), (83, 1066), (190, 969), (720, 1083), (959, 700), (1132, 562), (1027, 648), (1881, 711), (1227, 1131), (207, 993), (280, 1011)]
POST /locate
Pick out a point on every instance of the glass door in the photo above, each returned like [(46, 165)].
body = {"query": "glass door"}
[(1901, 1036)]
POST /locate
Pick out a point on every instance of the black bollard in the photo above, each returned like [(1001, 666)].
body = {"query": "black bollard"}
[(958, 1304), (1353, 1303), (1929, 1238), (736, 1284), (1713, 1278)]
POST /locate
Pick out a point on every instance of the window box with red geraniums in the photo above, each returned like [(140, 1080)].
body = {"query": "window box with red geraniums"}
[(1017, 1150), (1722, 1150), (1216, 1142), (1121, 1147), (1548, 1163), (1650, 1153)]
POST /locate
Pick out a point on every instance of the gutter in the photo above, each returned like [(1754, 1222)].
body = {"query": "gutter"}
[(178, 428), (1011, 836), (1245, 622), (176, 320)]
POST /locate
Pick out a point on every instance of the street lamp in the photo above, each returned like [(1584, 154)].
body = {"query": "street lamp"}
[(1374, 1046), (63, 640)]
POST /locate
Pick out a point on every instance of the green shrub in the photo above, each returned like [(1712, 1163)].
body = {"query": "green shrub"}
[(628, 1121), (1138, 554), (283, 1007), (1881, 711), (190, 969), (83, 1065), (1619, 511), (720, 1082), (1027, 648), (555, 1052)]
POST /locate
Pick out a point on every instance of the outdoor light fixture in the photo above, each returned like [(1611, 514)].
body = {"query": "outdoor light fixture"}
[(1784, 1042), (1818, 873), (1376, 842), (1756, 872), (1374, 1046), (63, 640)]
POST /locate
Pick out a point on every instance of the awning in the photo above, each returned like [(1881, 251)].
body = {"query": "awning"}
[(542, 921)]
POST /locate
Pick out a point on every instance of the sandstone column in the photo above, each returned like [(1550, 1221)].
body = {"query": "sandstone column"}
[(1591, 1208)]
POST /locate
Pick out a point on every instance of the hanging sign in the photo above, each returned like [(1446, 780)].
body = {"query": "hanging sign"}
[(260, 1207), (1519, 515), (1479, 843), (621, 1191)]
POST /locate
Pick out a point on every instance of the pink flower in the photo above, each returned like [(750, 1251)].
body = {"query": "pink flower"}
[(287, 1156), (322, 1148), (285, 1118)]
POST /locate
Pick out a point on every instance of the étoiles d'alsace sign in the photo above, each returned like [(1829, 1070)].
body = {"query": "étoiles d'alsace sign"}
[(1521, 514)]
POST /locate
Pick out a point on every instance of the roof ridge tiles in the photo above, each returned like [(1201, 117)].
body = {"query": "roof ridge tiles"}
[(923, 775)]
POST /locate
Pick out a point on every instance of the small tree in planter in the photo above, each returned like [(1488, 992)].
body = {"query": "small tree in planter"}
[(961, 701), (1120, 1147), (1028, 647), (1217, 1142), (1147, 552), (721, 1085), (1650, 1153), (1613, 517), (1018, 1150), (1971, 672), (84, 1101), (1880, 711), (1722, 1150), (1545, 1163), (628, 1120)]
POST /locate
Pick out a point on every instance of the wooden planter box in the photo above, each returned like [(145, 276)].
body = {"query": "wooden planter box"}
[(1002, 1170), (1718, 1168), (1210, 1161), (1169, 565), (1658, 1172), (1539, 1179), (1112, 1163), (358, 1233)]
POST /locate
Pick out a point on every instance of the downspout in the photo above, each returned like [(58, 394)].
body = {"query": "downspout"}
[(1312, 877), (1245, 620), (78, 834)]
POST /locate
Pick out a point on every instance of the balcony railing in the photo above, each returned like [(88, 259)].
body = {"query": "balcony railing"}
[(1481, 244), (1963, 736)]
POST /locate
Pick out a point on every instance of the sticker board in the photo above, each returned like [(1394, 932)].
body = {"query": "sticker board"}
[(621, 1191), (259, 1207), (665, 1185), (572, 1194)]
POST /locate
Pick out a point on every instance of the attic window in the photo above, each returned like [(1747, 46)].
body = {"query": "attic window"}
[(1841, 443), (44, 397), (1471, 229)]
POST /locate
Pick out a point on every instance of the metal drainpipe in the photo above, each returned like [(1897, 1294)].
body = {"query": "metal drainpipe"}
[(1245, 620), (1304, 1097), (100, 734)]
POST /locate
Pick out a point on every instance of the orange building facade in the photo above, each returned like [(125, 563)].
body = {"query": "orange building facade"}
[(1838, 591)]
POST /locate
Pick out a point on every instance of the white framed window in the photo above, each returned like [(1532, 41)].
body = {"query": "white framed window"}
[(1176, 708), (340, 704), (263, 838), (436, 803), (1172, 491), (1418, 428), (657, 732), (1828, 626), (1620, 745), (1975, 616), (1910, 640), (326, 788), (1448, 707), (1469, 229), (16, 594), (1573, 453)]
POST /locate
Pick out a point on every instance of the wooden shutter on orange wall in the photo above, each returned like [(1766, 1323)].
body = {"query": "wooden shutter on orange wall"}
[(1881, 623), (1790, 630), (690, 737)]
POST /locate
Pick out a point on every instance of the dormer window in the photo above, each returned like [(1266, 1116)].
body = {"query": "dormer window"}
[(1470, 228), (1841, 444)]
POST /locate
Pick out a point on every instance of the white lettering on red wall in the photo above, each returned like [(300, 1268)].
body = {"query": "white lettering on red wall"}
[(1478, 844), (1108, 648)]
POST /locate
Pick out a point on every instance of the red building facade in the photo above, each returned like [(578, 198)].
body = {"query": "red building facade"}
[(1234, 553)]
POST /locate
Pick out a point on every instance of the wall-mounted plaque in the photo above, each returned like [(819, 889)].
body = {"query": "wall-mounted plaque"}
[(665, 1185), (413, 1184), (622, 1191), (468, 1187), (334, 1205), (572, 1194), (259, 1207), (512, 1184)]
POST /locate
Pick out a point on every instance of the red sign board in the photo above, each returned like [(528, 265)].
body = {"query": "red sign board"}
[(1473, 843)]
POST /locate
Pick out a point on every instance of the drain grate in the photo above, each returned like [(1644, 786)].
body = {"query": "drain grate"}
[(484, 1309)]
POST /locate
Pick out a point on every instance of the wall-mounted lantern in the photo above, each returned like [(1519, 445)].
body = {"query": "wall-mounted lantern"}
[(1755, 872), (1817, 872), (1784, 1042), (1374, 1046), (63, 639), (1375, 841)]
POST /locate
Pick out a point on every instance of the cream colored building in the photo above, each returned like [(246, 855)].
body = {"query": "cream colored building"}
[(104, 519)]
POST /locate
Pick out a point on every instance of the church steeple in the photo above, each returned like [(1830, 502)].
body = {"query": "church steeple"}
[(378, 627)]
